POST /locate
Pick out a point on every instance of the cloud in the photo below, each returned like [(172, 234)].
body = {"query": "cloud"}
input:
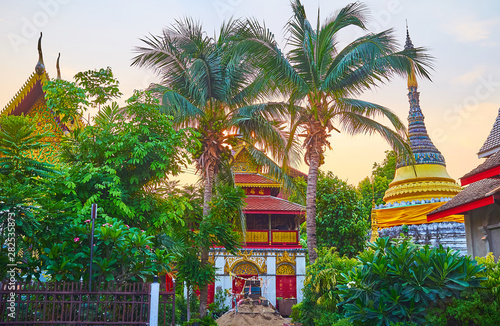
[(470, 77), (468, 29)]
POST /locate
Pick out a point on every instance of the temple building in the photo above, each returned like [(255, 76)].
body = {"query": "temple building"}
[(272, 253), (479, 200), (30, 101), (419, 187)]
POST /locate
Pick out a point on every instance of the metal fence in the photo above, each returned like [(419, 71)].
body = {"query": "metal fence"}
[(71, 303)]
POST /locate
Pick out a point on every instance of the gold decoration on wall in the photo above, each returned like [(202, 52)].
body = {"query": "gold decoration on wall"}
[(285, 237), (245, 256), (245, 269), (257, 236), (285, 269), (285, 257)]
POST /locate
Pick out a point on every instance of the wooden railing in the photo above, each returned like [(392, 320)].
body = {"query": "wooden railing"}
[(278, 237)]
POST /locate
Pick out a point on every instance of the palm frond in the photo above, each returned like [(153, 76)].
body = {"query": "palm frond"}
[(354, 124)]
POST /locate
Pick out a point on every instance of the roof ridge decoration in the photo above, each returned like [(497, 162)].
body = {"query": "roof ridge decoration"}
[(57, 67), (422, 146), (40, 67), (492, 143)]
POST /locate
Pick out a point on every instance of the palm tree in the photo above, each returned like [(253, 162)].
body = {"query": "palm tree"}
[(321, 80), (208, 86)]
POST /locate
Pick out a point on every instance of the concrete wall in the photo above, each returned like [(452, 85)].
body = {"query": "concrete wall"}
[(482, 227)]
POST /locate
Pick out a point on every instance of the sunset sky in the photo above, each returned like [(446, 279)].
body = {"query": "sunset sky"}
[(460, 104)]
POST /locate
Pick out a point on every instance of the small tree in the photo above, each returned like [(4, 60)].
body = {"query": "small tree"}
[(341, 220)]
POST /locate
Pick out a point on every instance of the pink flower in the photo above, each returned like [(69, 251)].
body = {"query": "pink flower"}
[(143, 231), (127, 226), (76, 239), (87, 221), (147, 247)]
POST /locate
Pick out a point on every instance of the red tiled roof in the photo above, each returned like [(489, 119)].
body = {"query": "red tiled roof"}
[(253, 178), (493, 140), (261, 204), (472, 193), (294, 173), (487, 169)]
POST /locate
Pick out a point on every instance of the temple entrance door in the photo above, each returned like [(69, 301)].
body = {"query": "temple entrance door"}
[(286, 287)]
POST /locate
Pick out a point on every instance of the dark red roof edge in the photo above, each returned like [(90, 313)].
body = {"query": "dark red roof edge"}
[(480, 176), (461, 209), (274, 212)]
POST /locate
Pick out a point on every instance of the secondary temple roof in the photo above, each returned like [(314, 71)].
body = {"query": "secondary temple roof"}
[(492, 143)]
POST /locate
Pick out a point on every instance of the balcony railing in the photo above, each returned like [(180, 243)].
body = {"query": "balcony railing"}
[(278, 237)]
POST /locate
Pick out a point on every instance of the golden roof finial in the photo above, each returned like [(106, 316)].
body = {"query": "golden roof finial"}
[(57, 67), (40, 67)]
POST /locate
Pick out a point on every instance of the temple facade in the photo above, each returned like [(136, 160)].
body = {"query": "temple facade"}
[(419, 187), (479, 200), (30, 101), (272, 253)]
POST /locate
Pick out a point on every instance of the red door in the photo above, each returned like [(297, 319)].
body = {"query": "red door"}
[(286, 287)]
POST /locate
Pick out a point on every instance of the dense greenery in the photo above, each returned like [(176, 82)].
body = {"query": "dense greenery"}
[(118, 163), (319, 306), (399, 281), (342, 222), (475, 307)]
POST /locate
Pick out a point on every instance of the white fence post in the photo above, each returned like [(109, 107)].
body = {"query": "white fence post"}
[(153, 304)]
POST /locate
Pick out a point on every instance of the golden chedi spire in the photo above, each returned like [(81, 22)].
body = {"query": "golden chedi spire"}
[(427, 180)]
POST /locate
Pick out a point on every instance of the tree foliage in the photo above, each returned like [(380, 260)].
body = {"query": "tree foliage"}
[(399, 281), (319, 306), (342, 222)]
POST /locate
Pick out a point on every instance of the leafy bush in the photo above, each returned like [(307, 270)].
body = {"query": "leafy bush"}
[(398, 282), (475, 306), (121, 253), (319, 306), (219, 307)]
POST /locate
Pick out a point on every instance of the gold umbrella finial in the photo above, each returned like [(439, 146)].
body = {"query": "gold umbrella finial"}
[(40, 67)]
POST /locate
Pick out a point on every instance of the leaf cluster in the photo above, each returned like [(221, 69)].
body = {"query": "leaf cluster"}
[(398, 282)]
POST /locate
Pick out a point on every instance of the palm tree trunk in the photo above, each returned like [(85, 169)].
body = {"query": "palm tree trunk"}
[(312, 183), (207, 198)]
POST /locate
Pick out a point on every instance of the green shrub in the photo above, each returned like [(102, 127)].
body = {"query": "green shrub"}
[(219, 307), (398, 282), (205, 321), (319, 306), (343, 322), (478, 306)]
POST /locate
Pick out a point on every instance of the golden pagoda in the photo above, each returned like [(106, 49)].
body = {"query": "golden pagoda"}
[(421, 186)]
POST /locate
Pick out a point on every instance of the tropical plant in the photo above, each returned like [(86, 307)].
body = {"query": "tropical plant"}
[(342, 222), (398, 282), (121, 253), (209, 86), (321, 80), (23, 182), (119, 160), (319, 306), (216, 229)]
